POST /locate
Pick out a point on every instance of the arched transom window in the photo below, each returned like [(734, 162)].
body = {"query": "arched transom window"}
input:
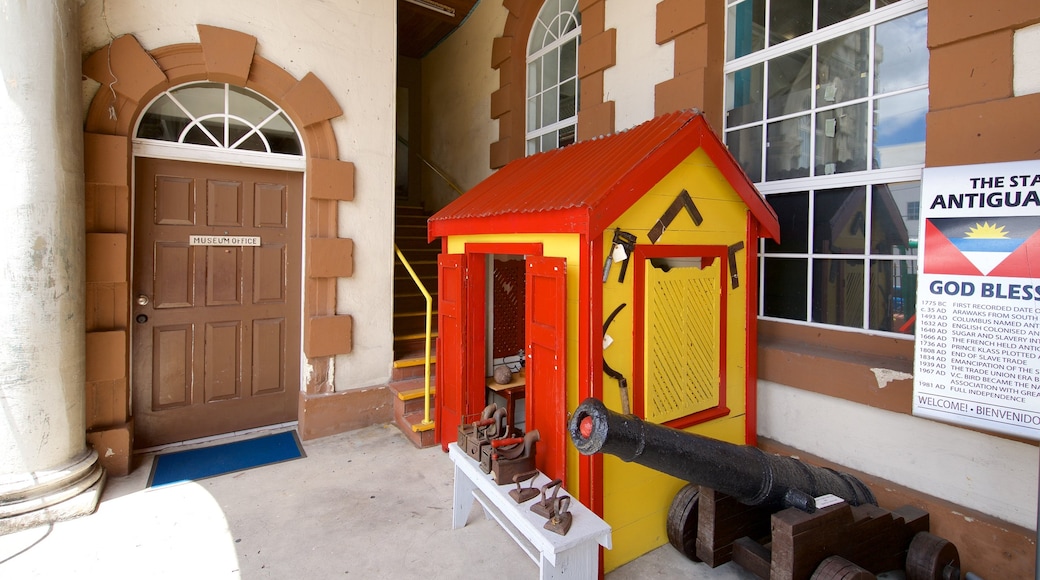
[(220, 115), (552, 76)]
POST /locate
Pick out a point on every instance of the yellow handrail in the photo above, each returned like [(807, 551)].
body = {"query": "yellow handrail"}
[(429, 328)]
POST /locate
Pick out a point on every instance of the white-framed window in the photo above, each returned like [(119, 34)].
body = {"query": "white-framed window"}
[(238, 122), (825, 111), (552, 76)]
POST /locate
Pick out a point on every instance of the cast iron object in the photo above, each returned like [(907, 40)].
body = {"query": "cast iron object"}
[(503, 375), (746, 473), (512, 456), (470, 433), (522, 494), (544, 507), (497, 430), (560, 522)]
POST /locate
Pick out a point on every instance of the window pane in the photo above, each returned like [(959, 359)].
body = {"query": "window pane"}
[(746, 28), (568, 99), (744, 96), (893, 295), (164, 120), (550, 104), (790, 82), (841, 68), (899, 131), (533, 112), (565, 136), (789, 19), (551, 68), (838, 292), (532, 146), (550, 10), (201, 99), (569, 60), (281, 136), (248, 105), (787, 149), (792, 211), (253, 143), (746, 147), (783, 294), (841, 140), (549, 141), (901, 53), (196, 136), (895, 215), (834, 12), (236, 130), (538, 37), (534, 73), (839, 220)]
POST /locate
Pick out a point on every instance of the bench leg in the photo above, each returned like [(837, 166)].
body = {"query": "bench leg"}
[(462, 499), (580, 562)]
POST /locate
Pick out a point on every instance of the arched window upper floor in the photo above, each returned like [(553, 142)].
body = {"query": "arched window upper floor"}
[(552, 77)]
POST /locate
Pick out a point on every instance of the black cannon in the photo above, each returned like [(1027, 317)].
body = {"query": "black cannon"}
[(745, 505), (746, 473)]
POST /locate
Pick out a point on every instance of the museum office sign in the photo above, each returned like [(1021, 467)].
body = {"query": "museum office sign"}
[(977, 359)]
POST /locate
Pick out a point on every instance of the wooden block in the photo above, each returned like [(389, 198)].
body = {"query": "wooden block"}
[(752, 556), (723, 520)]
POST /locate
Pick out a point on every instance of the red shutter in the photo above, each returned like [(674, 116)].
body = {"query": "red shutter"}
[(546, 403), (451, 312)]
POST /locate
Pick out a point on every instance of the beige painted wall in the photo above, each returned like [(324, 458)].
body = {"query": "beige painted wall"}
[(641, 62), (457, 84), (351, 47)]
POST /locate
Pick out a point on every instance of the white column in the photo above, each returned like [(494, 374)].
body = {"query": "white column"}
[(47, 472)]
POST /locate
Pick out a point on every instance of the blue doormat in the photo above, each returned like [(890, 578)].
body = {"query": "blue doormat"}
[(219, 459)]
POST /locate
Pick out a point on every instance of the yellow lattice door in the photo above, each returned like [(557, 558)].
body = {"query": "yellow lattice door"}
[(682, 341)]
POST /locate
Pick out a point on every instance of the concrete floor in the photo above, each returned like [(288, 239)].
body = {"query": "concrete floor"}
[(364, 504)]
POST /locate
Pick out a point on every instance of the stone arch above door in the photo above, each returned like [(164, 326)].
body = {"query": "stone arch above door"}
[(129, 78)]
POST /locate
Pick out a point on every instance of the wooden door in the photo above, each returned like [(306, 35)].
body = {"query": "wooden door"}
[(216, 332), (546, 397)]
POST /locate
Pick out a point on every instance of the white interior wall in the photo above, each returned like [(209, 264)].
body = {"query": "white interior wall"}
[(457, 83), (990, 474), (351, 47), (641, 62)]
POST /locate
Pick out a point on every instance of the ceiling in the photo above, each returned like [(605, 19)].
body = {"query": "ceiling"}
[(419, 28)]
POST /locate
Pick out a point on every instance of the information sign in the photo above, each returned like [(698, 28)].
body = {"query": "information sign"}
[(977, 359)]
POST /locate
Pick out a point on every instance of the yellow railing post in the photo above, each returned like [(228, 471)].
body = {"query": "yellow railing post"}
[(429, 329)]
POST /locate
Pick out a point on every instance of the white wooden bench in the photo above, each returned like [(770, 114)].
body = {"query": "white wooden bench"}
[(575, 555)]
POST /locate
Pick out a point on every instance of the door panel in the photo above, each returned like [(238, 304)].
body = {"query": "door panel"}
[(546, 321), (216, 343), (451, 311)]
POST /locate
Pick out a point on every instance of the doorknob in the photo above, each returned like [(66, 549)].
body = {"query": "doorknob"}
[(143, 300)]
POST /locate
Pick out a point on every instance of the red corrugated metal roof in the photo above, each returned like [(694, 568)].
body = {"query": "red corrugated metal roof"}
[(584, 187)]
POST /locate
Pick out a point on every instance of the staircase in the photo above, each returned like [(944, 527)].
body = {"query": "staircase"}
[(408, 382)]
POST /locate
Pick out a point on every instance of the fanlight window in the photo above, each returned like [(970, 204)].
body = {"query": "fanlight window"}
[(222, 116)]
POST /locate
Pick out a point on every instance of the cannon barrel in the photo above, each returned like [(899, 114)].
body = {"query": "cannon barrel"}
[(746, 473)]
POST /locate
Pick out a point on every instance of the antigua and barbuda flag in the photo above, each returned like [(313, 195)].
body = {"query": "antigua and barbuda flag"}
[(988, 246)]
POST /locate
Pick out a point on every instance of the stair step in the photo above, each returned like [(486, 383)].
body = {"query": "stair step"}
[(422, 436), (414, 362)]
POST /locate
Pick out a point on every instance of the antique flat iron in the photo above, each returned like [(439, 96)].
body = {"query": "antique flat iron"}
[(522, 494), (513, 455), (560, 522), (544, 507)]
